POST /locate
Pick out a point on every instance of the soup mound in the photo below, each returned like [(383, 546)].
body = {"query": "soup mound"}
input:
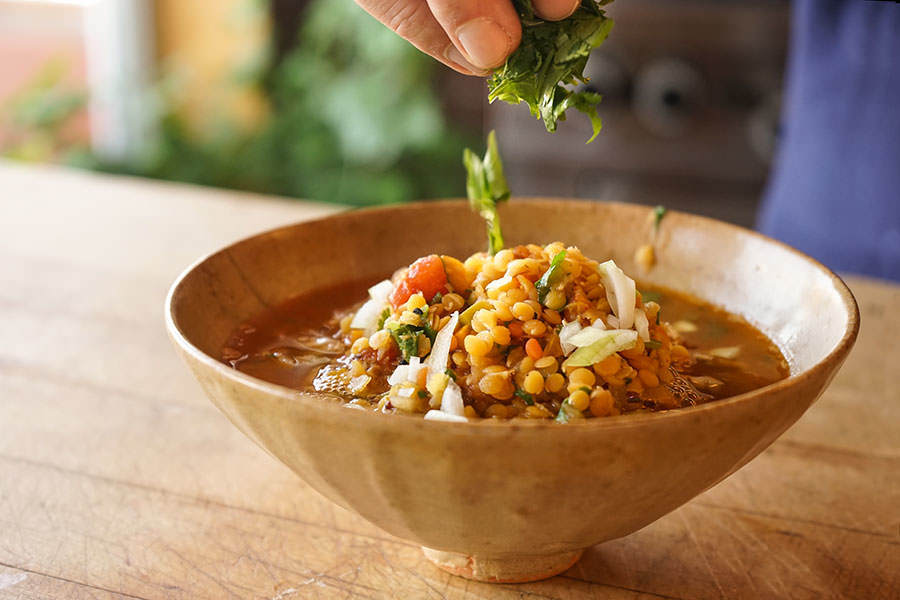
[(538, 332)]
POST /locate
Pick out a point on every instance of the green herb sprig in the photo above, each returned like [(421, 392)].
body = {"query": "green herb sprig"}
[(486, 187), (551, 56)]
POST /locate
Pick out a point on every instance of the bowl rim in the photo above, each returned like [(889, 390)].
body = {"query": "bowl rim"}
[(315, 401)]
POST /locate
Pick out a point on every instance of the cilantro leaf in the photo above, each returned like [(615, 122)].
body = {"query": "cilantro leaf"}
[(528, 398), (659, 212), (551, 56), (486, 187), (407, 339), (550, 277)]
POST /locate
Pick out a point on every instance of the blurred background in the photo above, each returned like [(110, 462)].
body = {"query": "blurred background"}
[(315, 99)]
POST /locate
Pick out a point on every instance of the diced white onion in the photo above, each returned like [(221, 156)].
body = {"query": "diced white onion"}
[(439, 415), (452, 400), (440, 350), (565, 334), (404, 373), (729, 352), (621, 292), (366, 318), (609, 342), (683, 326), (359, 383), (588, 336), (642, 324), (406, 392)]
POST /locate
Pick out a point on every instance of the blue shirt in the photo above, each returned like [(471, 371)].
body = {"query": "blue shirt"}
[(835, 190)]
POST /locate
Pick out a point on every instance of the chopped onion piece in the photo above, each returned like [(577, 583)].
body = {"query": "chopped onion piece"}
[(684, 326), (620, 292), (440, 350), (729, 352), (565, 334), (404, 373), (359, 383), (642, 324), (439, 415), (452, 400), (613, 340), (406, 392), (588, 336), (366, 318)]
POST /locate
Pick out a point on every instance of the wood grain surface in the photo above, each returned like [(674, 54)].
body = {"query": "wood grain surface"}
[(118, 479)]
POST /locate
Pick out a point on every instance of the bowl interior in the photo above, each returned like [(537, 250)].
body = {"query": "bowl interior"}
[(798, 303)]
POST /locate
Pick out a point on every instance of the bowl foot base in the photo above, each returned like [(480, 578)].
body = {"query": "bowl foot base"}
[(516, 569)]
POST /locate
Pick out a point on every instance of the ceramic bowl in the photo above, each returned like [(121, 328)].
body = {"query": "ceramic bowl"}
[(520, 500)]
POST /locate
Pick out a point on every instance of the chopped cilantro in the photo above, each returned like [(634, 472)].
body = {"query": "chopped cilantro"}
[(384, 317), (552, 56), (528, 398), (450, 374), (650, 296), (658, 213), (653, 344), (423, 394), (550, 277), (585, 389), (436, 299), (407, 338), (657, 316)]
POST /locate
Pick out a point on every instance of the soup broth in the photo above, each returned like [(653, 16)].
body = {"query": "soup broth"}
[(291, 343)]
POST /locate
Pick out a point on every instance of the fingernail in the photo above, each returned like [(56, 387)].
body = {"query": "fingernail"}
[(485, 42), (455, 56), (555, 11)]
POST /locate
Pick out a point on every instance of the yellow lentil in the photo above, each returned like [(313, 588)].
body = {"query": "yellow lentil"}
[(546, 363), (648, 378), (522, 311), (555, 383), (555, 299), (476, 346), (359, 345), (496, 410), (500, 335), (534, 328), (601, 403), (579, 399), (583, 377), (534, 383)]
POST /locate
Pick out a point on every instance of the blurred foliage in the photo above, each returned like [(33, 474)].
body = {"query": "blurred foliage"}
[(353, 118), (35, 118)]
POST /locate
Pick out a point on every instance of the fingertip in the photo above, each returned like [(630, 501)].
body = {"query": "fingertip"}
[(555, 10), (454, 59)]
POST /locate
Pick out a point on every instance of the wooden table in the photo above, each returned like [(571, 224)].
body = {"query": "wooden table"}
[(118, 479)]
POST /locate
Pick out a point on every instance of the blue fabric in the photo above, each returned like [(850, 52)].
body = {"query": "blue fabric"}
[(835, 189)]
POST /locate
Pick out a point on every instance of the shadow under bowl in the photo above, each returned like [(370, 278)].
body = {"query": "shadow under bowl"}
[(519, 500)]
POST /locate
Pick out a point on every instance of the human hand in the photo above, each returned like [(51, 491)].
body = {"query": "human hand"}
[(470, 36)]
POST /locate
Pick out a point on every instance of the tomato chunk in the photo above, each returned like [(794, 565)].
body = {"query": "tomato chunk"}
[(426, 275)]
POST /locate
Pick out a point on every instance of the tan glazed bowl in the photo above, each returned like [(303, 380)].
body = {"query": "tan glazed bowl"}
[(515, 500)]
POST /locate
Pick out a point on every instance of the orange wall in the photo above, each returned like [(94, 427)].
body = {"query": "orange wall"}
[(203, 42)]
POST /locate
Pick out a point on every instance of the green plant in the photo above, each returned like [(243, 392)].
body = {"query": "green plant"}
[(354, 119)]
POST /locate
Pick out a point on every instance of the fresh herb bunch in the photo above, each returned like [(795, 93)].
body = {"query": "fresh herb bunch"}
[(486, 187), (552, 55)]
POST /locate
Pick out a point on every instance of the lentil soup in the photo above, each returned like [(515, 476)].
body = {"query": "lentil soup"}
[(531, 332)]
